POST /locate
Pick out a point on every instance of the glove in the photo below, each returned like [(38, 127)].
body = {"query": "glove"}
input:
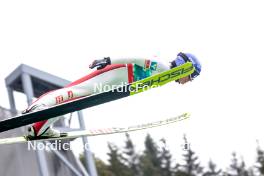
[(100, 64)]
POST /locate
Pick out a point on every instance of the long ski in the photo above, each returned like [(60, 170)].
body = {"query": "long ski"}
[(96, 132), (97, 99)]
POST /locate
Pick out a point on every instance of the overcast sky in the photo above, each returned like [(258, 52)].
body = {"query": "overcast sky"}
[(226, 101)]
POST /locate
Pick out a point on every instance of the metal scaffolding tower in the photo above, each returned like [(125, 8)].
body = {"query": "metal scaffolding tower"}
[(33, 83)]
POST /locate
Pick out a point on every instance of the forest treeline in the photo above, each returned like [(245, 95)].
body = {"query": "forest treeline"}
[(157, 160)]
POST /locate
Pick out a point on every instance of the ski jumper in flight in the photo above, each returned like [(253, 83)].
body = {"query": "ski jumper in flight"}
[(109, 72)]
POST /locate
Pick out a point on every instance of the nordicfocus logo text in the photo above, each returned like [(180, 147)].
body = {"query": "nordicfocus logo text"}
[(57, 145), (121, 88)]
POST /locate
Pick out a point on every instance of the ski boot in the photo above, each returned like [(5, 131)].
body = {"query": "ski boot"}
[(49, 133)]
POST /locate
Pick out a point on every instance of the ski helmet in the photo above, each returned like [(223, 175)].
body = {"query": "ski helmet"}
[(187, 57)]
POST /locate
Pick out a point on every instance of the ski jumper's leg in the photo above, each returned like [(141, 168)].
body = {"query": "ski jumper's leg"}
[(96, 82)]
